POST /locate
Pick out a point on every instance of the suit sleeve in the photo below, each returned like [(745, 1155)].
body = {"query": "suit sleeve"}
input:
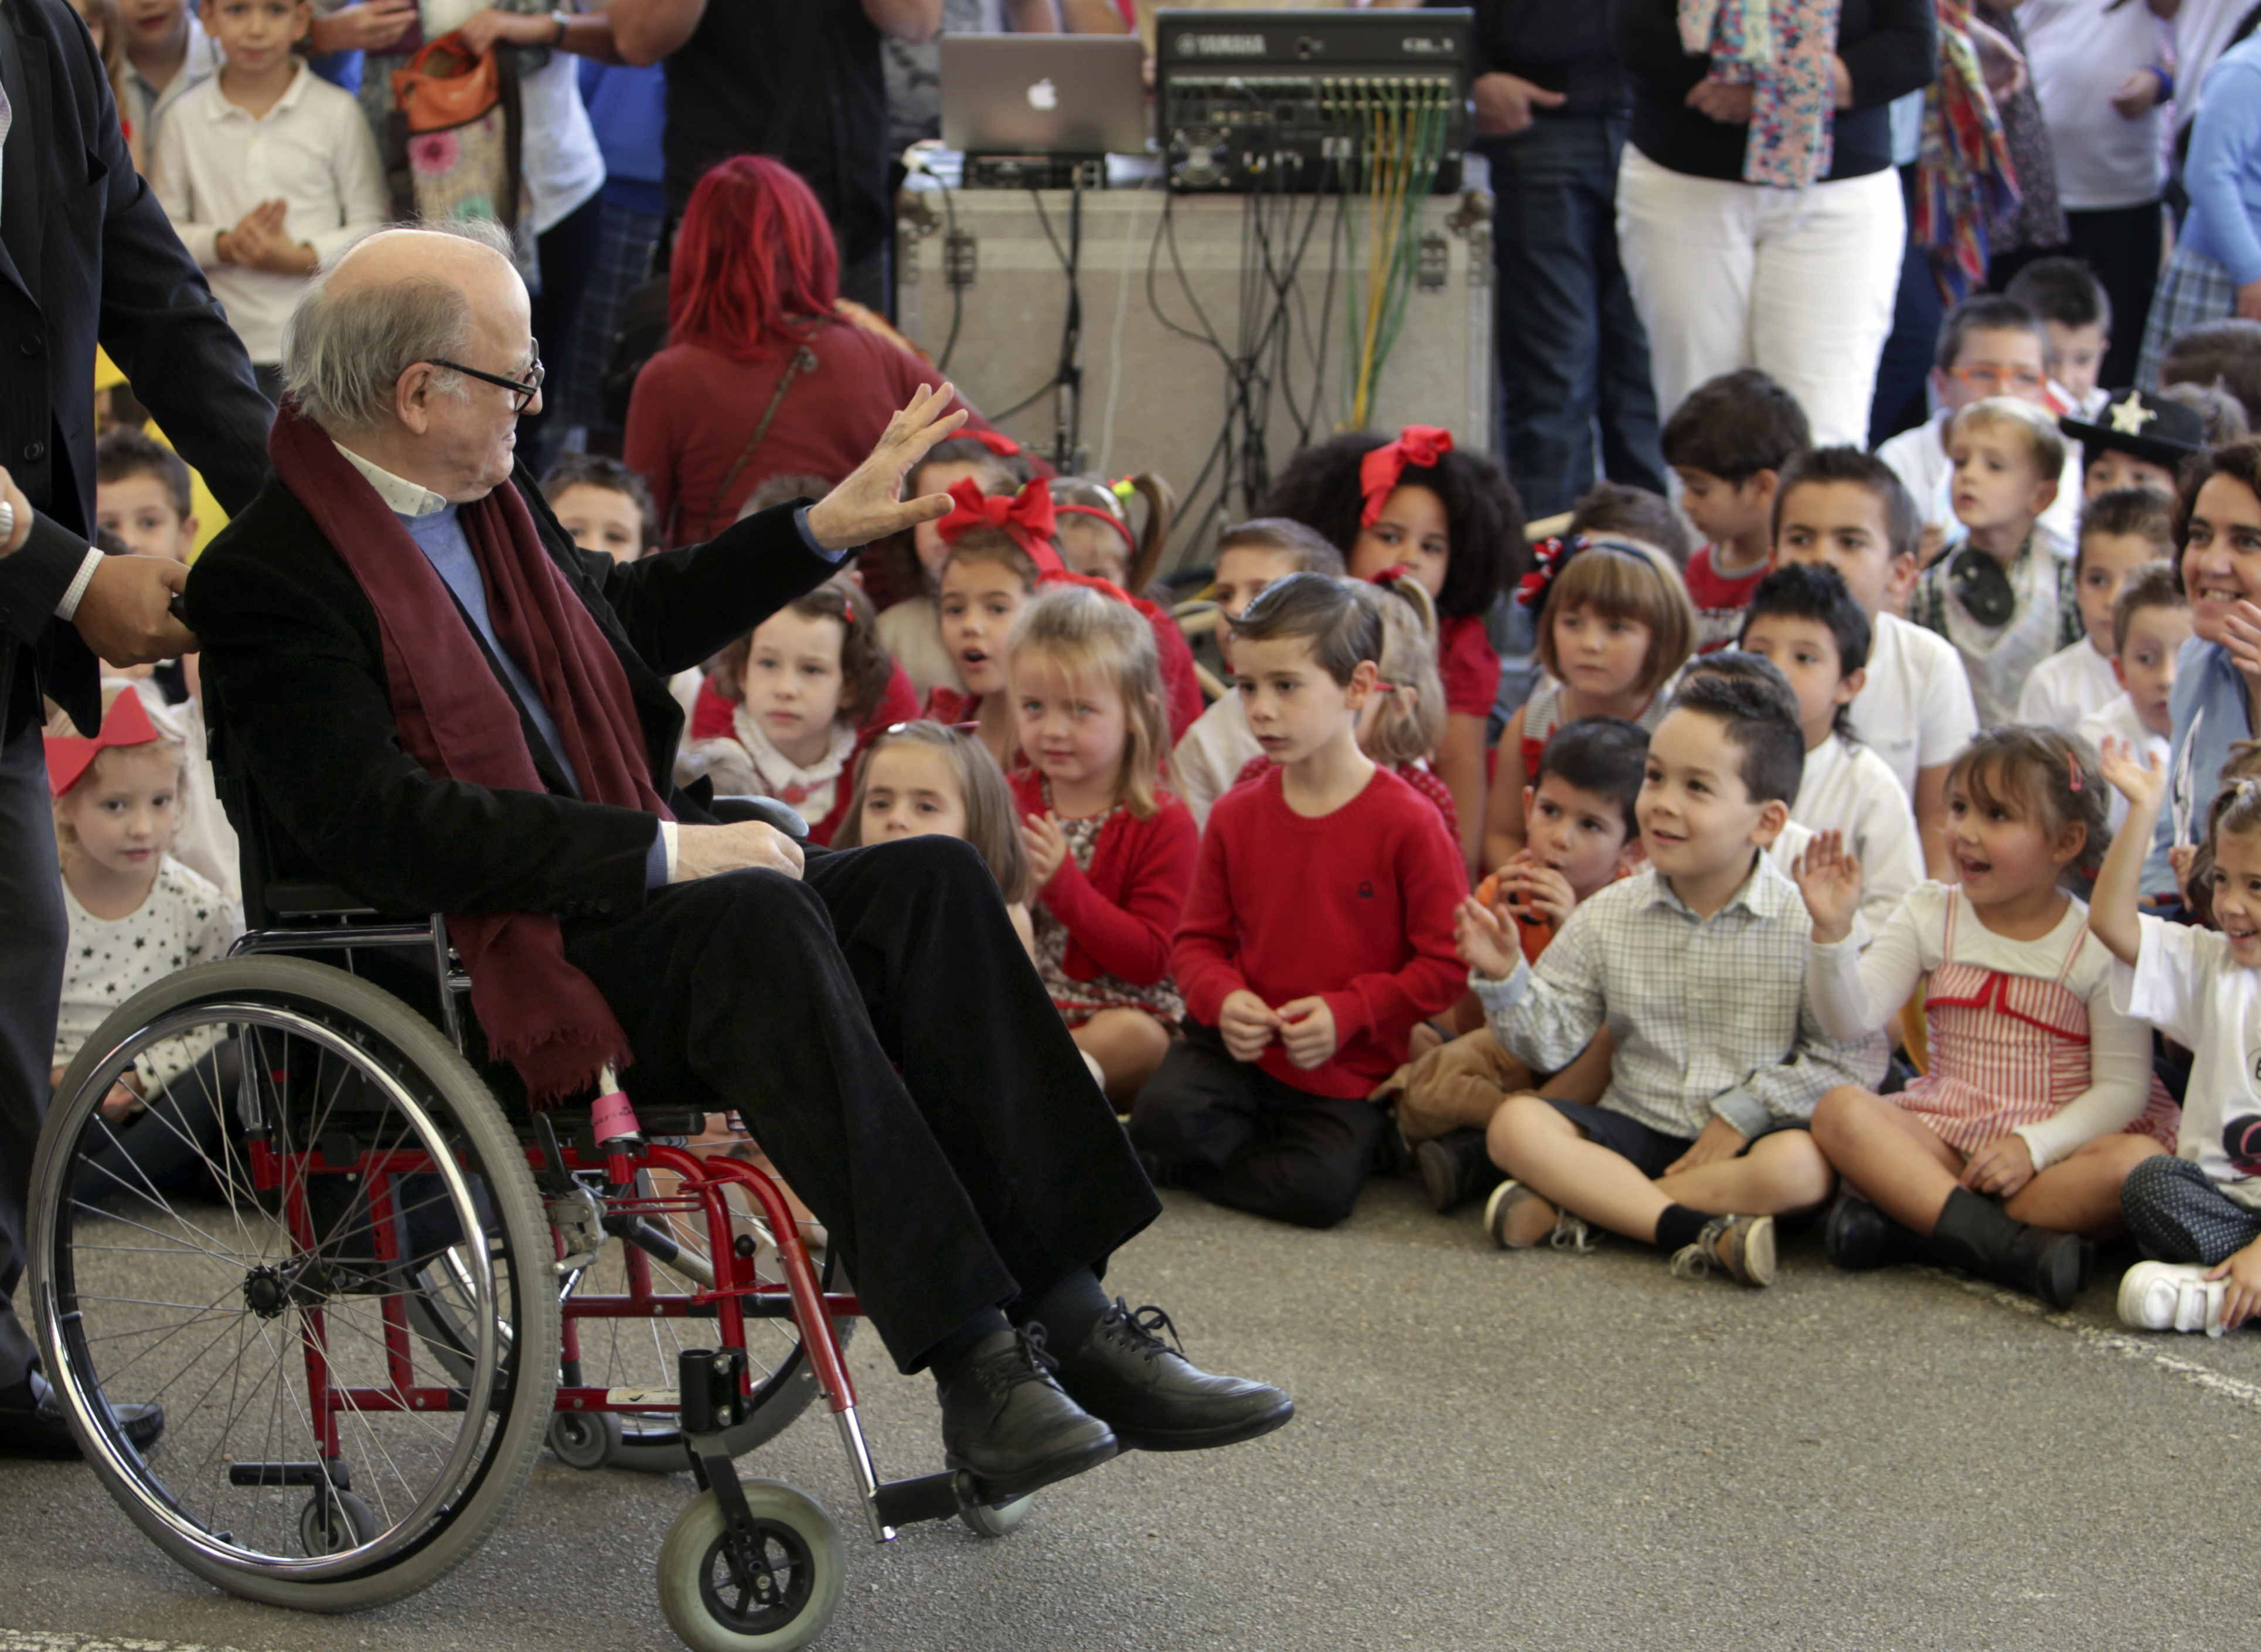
[(37, 576), (161, 325), (301, 696)]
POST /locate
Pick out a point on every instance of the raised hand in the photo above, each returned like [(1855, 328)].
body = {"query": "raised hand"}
[(1829, 878), (2138, 776), (1483, 942), (867, 506), (1246, 1023), (1047, 845), (1307, 1031)]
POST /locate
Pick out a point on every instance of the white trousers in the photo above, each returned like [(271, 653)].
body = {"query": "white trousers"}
[(1798, 284)]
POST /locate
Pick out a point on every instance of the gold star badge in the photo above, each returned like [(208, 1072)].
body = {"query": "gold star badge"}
[(2130, 416)]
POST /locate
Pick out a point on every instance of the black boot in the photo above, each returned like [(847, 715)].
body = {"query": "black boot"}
[(1858, 1236), (1456, 1169), (1008, 1423), (1976, 1235), (1154, 1397)]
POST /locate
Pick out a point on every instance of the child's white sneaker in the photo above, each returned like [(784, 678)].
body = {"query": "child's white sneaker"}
[(1510, 1223), (2171, 1296)]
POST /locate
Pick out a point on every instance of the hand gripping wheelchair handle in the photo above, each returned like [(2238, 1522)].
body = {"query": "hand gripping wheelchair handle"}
[(732, 811)]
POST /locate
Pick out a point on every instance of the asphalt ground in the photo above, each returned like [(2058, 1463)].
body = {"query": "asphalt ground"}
[(1491, 1451)]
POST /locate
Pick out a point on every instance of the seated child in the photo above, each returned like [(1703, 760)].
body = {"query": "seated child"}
[(1842, 508), (1697, 966), (2151, 623), (2119, 532), (603, 506), (2040, 1096), (1111, 854), (1210, 757), (1092, 524), (1582, 837), (1615, 624), (1402, 721), (917, 779), (2224, 354), (266, 171), (1450, 514), (136, 916), (2220, 416), (1988, 346), (2003, 597), (909, 629), (1728, 442), (1618, 510), (802, 685), (1805, 622), (2075, 318), (2135, 441), (1316, 933), (2198, 1211)]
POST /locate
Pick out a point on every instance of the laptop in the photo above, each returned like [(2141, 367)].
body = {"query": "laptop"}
[(1044, 94)]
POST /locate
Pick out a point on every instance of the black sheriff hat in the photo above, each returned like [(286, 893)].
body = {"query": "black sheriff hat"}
[(2151, 427)]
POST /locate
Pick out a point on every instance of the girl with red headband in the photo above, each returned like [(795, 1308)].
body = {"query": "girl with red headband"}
[(802, 686), (136, 916), (903, 582), (997, 550), (1111, 852), (1092, 524), (1417, 502)]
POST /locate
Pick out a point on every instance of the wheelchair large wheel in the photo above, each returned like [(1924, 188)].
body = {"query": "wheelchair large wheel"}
[(341, 1291), (644, 1353)]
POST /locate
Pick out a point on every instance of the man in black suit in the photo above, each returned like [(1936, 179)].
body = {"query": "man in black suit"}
[(86, 255), (870, 1012)]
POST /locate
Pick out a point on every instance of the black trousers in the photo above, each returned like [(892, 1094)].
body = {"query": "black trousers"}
[(1234, 1134), (880, 1030), (182, 1142), (33, 932)]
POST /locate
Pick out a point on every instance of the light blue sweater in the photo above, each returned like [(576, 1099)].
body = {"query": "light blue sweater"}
[(2223, 173)]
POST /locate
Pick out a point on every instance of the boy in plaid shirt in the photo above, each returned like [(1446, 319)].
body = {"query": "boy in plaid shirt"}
[(1698, 967)]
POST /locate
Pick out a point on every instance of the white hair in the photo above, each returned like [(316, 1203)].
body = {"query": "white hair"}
[(343, 353)]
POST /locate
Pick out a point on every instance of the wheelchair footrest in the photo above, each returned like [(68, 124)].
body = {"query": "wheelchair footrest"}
[(931, 1496)]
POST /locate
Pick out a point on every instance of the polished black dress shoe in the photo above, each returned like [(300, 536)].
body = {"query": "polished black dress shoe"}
[(32, 1423), (1154, 1397), (1007, 1423)]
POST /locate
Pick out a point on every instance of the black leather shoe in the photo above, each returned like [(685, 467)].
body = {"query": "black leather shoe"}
[(1006, 1422), (1456, 1168), (41, 1430), (1154, 1398)]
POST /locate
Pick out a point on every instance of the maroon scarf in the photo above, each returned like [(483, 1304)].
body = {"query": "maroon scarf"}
[(455, 718)]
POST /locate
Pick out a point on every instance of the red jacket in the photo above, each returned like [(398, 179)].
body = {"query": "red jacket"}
[(1423, 780), (1121, 915), (1355, 907)]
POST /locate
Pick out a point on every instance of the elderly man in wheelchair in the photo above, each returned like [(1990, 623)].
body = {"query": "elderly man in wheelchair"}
[(426, 697)]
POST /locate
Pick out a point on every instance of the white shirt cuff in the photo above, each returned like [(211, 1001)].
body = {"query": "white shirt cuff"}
[(667, 832), (67, 608)]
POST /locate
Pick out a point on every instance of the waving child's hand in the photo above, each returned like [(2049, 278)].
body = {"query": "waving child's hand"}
[(1829, 878)]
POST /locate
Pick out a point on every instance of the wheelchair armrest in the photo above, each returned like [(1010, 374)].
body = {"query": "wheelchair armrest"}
[(732, 811)]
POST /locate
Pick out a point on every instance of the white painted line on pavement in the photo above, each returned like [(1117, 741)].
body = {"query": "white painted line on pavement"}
[(43, 1640), (2236, 1389)]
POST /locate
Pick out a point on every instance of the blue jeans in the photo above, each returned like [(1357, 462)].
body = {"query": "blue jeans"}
[(1572, 354)]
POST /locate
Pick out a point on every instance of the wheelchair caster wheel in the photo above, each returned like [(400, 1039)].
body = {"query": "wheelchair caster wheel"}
[(997, 1520), (776, 1594), (332, 1523), (585, 1439)]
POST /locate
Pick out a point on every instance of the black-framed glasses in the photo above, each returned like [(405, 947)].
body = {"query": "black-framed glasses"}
[(523, 391)]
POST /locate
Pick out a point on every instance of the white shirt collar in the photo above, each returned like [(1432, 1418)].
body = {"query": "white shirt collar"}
[(220, 109), (401, 496)]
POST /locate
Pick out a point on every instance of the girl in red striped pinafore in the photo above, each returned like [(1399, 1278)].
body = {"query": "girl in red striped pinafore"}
[(2040, 1098)]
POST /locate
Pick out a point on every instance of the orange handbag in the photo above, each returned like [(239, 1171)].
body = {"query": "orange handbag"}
[(446, 84), (454, 133)]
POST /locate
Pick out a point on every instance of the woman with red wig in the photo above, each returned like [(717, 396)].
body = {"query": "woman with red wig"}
[(759, 342)]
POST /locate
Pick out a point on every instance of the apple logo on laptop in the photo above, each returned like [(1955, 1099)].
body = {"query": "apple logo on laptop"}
[(1043, 95)]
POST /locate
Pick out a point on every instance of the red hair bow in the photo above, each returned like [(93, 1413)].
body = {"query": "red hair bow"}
[(69, 756), (1027, 517), (998, 442), (1417, 447), (1552, 556)]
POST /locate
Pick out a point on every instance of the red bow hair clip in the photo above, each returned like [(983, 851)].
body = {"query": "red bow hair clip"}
[(1552, 556), (69, 756), (1417, 447), (998, 442), (1027, 517)]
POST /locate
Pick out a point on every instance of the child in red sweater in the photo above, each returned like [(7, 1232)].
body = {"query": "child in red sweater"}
[(1318, 931), (1111, 854)]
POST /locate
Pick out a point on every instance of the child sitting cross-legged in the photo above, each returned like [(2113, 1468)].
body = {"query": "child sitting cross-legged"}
[(1804, 620), (2198, 1212), (2119, 532), (2151, 623), (1318, 933), (2040, 1098), (1111, 854), (1581, 838), (1698, 967)]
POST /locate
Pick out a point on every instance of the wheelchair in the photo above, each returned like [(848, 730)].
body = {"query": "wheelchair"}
[(393, 1285)]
